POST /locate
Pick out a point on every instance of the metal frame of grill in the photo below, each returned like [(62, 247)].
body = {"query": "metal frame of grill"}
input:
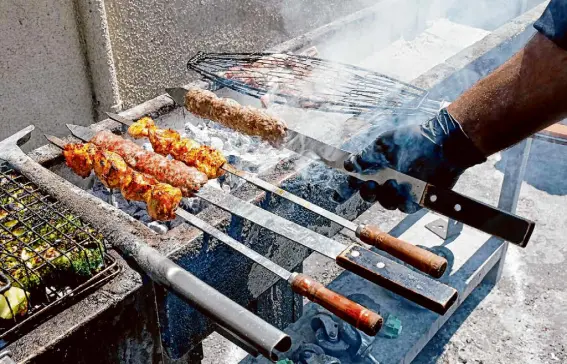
[(46, 251)]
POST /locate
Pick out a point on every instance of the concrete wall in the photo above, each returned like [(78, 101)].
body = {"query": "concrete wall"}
[(43, 74), (152, 40)]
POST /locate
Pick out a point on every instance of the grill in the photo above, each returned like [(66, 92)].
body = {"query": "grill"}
[(307, 82), (48, 256), (180, 327)]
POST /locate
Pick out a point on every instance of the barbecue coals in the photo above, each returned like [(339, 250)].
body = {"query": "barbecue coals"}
[(161, 199), (228, 112), (166, 141), (44, 251)]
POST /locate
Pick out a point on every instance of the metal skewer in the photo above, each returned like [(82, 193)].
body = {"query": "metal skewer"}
[(415, 256), (376, 268), (358, 316)]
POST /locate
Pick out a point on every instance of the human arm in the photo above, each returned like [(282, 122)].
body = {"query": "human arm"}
[(524, 95)]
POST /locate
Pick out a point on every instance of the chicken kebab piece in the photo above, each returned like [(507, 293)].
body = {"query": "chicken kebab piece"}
[(167, 141), (188, 179), (161, 199), (228, 112)]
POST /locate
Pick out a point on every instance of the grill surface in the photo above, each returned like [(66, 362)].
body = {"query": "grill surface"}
[(48, 257)]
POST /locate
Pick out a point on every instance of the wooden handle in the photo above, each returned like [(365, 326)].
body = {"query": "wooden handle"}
[(481, 216), (416, 287), (358, 316), (415, 256)]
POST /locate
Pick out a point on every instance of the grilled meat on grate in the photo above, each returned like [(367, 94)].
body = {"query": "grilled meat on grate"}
[(166, 141), (161, 199), (246, 119), (172, 172)]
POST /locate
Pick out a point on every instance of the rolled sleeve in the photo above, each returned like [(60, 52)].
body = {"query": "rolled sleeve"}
[(553, 22)]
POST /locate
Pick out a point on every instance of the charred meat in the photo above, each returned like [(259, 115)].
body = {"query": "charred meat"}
[(161, 199), (166, 141), (172, 172), (228, 112)]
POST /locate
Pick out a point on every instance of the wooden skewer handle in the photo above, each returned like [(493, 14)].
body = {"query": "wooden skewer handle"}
[(357, 315), (415, 256)]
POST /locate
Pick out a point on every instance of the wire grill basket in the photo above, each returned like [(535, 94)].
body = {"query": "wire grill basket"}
[(307, 82), (47, 255)]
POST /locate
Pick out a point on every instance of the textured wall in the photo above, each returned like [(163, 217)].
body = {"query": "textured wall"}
[(152, 40), (43, 78)]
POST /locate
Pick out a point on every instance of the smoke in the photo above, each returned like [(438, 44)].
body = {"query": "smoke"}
[(403, 39)]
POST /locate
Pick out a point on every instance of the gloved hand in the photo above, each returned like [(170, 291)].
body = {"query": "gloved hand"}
[(438, 152)]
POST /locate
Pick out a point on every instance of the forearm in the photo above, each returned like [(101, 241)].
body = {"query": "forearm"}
[(524, 95)]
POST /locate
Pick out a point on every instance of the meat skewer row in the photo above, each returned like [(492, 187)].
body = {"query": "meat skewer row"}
[(161, 199), (167, 141), (172, 172), (228, 112)]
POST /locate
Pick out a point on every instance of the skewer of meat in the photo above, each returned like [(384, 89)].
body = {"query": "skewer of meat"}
[(246, 119), (161, 199), (172, 172), (167, 141)]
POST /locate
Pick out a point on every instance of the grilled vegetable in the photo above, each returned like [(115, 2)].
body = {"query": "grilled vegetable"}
[(13, 302), (46, 246), (40, 248)]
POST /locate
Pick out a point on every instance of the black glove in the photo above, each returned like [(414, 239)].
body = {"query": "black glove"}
[(438, 152)]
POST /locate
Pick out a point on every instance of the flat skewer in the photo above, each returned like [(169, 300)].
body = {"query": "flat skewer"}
[(415, 256), (376, 268), (358, 316)]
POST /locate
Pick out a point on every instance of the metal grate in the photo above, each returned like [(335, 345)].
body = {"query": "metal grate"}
[(47, 255), (307, 82)]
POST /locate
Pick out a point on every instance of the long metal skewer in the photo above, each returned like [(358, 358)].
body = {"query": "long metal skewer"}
[(376, 268), (353, 313), (415, 256)]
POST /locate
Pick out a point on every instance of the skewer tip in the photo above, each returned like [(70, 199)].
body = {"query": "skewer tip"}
[(177, 94), (55, 140), (121, 119)]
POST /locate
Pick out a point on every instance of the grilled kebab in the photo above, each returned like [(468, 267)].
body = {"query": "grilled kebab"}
[(167, 141), (161, 199), (172, 172), (246, 119)]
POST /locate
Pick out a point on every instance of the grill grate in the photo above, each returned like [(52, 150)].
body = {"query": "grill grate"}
[(307, 82), (47, 255)]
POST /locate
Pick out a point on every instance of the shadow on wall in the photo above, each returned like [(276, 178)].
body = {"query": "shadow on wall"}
[(546, 169)]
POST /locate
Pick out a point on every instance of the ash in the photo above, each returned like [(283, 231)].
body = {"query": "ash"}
[(244, 152)]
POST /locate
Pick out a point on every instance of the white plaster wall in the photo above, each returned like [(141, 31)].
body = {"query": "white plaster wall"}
[(43, 77), (153, 39)]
